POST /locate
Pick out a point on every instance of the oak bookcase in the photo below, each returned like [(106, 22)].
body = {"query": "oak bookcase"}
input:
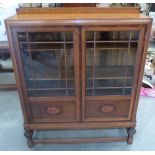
[(78, 68)]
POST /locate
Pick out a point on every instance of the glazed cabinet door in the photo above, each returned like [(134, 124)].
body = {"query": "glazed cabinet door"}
[(48, 68), (110, 70)]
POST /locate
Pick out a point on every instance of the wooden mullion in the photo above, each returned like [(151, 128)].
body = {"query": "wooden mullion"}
[(113, 41), (50, 50), (46, 42), (52, 79), (52, 89), (65, 57), (94, 55), (31, 63), (108, 87), (127, 59), (84, 71), (77, 72), (111, 78), (110, 48)]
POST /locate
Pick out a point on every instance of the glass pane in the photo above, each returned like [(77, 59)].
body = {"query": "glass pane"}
[(112, 35), (48, 63), (110, 61)]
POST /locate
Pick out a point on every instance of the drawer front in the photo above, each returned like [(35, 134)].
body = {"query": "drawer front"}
[(106, 110), (53, 111)]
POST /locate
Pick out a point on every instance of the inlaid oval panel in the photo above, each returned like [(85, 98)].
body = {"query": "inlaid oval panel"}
[(107, 108), (53, 110)]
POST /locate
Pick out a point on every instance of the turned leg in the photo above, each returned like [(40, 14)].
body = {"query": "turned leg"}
[(131, 132), (29, 135)]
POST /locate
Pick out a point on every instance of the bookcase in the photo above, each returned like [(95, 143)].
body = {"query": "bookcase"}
[(78, 68)]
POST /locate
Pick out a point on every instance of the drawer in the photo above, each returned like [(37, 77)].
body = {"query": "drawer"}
[(106, 110), (55, 111)]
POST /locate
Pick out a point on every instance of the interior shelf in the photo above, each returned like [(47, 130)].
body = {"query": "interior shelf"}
[(112, 78), (51, 79), (45, 50), (111, 45), (112, 41), (108, 88), (50, 84), (111, 92), (46, 46), (51, 89), (110, 72), (45, 93), (46, 42)]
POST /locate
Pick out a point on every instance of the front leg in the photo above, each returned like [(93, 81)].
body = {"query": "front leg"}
[(29, 135), (131, 131)]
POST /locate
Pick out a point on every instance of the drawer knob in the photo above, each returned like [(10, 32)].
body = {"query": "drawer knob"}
[(53, 110), (107, 108)]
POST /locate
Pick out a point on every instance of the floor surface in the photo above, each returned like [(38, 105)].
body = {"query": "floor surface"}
[(11, 129)]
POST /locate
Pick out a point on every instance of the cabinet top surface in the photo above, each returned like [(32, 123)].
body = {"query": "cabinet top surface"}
[(77, 14)]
